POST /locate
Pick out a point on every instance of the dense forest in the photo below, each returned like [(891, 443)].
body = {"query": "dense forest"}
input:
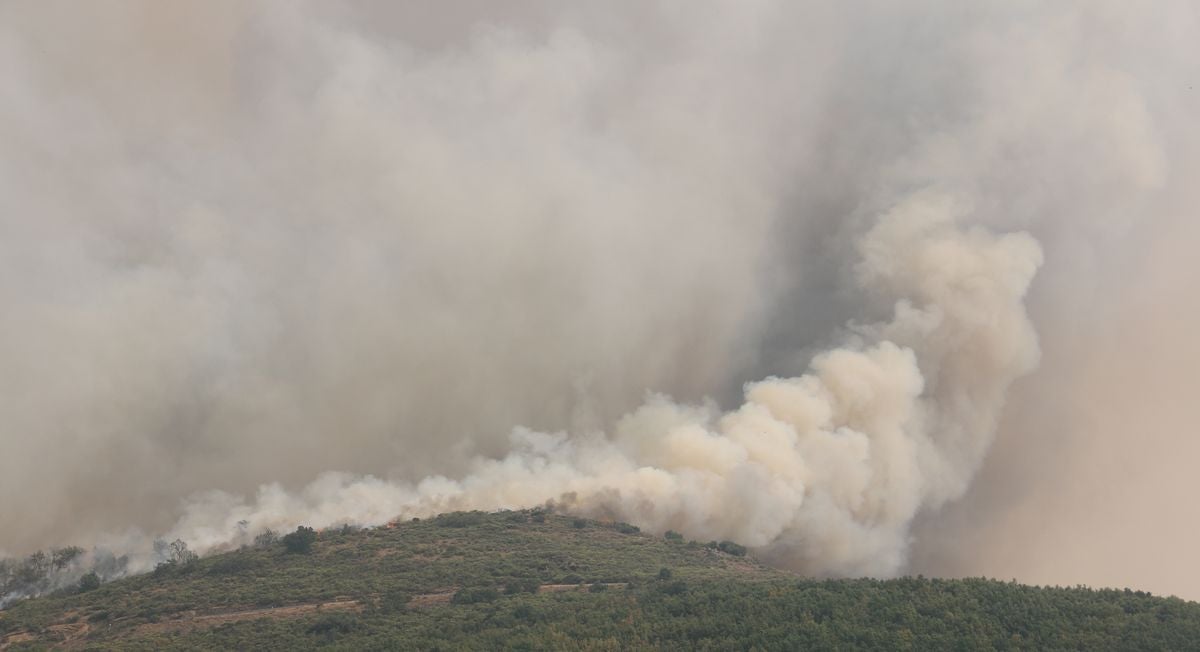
[(530, 580)]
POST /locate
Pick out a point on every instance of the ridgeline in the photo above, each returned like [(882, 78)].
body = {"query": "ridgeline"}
[(529, 580)]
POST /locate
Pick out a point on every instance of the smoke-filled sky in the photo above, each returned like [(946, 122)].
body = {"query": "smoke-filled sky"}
[(767, 271)]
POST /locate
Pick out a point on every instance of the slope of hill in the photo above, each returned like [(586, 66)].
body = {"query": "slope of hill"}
[(528, 580)]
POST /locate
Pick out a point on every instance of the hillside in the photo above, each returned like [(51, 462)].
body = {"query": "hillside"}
[(528, 580)]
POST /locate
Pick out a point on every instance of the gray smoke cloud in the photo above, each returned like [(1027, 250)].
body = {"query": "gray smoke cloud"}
[(823, 472), (291, 262)]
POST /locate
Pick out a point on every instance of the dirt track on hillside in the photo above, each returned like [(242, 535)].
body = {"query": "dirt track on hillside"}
[(190, 620), (72, 635)]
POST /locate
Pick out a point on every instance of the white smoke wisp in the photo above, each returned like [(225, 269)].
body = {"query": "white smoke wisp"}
[(822, 473)]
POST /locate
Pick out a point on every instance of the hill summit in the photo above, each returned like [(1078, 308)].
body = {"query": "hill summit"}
[(532, 580)]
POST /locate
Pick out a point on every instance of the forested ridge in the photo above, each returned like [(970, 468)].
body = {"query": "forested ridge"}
[(532, 580)]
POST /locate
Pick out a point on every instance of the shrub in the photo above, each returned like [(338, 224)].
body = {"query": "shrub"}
[(664, 574), (579, 523), (300, 541), (475, 595), (732, 548), (330, 625), (89, 582), (571, 579), (675, 588), (625, 528), (232, 565), (597, 587), (394, 601), (522, 585), (516, 517), (460, 519), (672, 535)]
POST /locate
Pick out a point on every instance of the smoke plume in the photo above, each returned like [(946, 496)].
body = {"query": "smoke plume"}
[(825, 471), (760, 271)]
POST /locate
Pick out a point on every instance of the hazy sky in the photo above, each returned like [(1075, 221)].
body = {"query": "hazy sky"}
[(252, 242)]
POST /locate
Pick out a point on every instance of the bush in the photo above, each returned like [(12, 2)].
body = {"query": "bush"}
[(597, 587), (523, 585), (460, 519), (625, 528), (579, 523), (233, 565), (516, 517), (475, 595), (89, 582), (664, 574), (524, 612), (300, 541), (394, 601), (330, 625), (571, 579), (732, 548), (672, 535), (675, 588)]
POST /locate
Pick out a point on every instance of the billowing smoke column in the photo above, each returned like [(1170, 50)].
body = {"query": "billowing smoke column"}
[(824, 472)]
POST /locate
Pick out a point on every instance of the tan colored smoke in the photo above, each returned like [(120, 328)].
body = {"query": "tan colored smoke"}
[(824, 472)]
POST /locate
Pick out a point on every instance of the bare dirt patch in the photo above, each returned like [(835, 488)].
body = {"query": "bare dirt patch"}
[(14, 638), (558, 588), (430, 599), (447, 595), (193, 620), (60, 634)]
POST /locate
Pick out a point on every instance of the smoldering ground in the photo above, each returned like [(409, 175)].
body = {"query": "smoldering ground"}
[(247, 244)]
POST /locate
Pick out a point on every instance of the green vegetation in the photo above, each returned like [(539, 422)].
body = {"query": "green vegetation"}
[(730, 547), (56, 569), (301, 541), (176, 554), (534, 581), (89, 582)]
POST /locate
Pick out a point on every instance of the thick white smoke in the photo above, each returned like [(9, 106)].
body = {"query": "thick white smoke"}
[(824, 472)]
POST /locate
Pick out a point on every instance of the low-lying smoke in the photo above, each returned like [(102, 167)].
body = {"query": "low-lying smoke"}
[(328, 257), (823, 473)]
